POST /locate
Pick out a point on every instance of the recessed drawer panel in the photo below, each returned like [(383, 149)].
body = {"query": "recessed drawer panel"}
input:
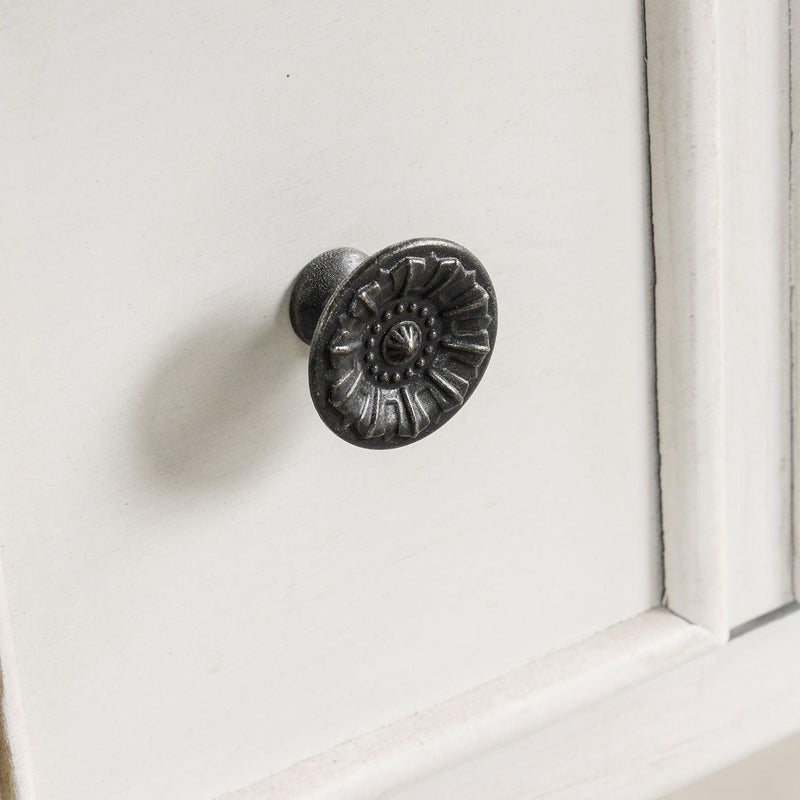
[(205, 584)]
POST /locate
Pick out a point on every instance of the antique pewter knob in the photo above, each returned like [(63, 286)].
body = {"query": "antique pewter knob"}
[(399, 340)]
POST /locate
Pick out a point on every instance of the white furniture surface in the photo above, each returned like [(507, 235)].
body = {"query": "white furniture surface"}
[(208, 595), (773, 772)]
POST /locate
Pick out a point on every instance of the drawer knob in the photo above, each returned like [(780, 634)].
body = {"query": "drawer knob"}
[(399, 340)]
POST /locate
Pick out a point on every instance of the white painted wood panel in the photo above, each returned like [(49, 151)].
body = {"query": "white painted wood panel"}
[(464, 730), (680, 723), (645, 741), (206, 586), (754, 184), (794, 225), (718, 91)]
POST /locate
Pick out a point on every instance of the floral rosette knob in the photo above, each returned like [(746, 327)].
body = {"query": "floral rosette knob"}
[(401, 342)]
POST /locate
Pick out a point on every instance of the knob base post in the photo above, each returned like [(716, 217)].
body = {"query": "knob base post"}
[(315, 284)]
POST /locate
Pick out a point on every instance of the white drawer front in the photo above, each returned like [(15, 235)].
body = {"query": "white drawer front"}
[(205, 585)]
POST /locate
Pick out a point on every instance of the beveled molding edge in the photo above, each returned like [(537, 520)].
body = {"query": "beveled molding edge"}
[(502, 709), (718, 208)]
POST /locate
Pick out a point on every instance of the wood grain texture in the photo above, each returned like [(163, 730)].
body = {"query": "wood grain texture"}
[(644, 741), (754, 137), (718, 102), (489, 718), (684, 156)]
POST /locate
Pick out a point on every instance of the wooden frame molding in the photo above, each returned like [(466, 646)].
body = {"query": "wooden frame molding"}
[(653, 736), (681, 43), (718, 89), (490, 716)]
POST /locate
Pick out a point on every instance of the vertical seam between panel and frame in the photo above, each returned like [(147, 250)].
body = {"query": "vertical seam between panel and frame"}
[(659, 521), (792, 315), (683, 121)]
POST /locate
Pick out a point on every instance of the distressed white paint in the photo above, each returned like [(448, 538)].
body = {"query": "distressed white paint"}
[(795, 259), (649, 739), (684, 120), (719, 132), (206, 586), (490, 717), (754, 185)]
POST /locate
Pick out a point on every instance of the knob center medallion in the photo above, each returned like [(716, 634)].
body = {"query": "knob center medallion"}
[(401, 343)]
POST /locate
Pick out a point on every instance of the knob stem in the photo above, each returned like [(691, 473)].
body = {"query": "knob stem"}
[(315, 284)]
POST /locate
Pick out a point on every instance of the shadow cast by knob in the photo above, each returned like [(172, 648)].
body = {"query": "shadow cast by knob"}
[(216, 408)]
